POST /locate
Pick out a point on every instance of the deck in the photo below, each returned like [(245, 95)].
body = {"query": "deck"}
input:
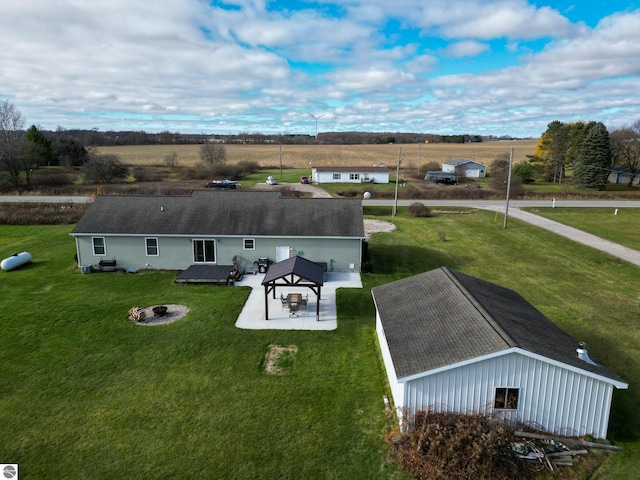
[(217, 274)]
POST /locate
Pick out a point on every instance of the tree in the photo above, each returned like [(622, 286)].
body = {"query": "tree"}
[(213, 154), (625, 148), (526, 170), (12, 158), (69, 152), (593, 161), (37, 148), (500, 176), (553, 147), (104, 169), (171, 159)]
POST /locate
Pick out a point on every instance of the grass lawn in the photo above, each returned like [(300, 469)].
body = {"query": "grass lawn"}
[(87, 394), (620, 227)]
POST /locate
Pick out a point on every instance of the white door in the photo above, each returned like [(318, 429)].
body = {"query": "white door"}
[(282, 253)]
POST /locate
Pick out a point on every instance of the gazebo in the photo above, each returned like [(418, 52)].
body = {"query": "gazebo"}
[(294, 271)]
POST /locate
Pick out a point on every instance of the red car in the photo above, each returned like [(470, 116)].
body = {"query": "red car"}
[(304, 179)]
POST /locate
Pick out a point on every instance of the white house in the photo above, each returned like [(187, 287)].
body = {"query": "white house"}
[(377, 174), (465, 168), (452, 342)]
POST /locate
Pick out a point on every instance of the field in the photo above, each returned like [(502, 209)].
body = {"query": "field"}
[(305, 156), (87, 394)]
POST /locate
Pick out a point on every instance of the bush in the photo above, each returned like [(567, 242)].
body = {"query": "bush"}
[(104, 169), (52, 177), (417, 209)]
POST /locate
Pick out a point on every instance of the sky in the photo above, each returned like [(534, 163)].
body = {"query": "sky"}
[(504, 68)]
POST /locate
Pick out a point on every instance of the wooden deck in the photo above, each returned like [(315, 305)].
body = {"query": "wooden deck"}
[(217, 274)]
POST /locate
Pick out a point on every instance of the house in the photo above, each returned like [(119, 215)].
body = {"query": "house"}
[(465, 168), (219, 227), (622, 175), (456, 343), (376, 174)]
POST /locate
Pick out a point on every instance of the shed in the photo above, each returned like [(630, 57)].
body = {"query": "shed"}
[(456, 343), (335, 174), (465, 168)]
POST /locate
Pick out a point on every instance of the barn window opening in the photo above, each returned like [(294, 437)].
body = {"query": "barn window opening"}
[(506, 398)]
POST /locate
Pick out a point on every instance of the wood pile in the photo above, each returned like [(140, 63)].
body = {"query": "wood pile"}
[(552, 451), (137, 314)]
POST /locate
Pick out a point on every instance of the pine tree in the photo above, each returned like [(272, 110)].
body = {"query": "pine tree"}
[(594, 158)]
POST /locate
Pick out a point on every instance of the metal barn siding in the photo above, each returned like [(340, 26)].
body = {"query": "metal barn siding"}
[(552, 397)]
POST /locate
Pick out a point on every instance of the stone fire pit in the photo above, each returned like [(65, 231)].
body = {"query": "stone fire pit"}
[(162, 314)]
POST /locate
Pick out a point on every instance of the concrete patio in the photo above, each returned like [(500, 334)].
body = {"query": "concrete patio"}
[(252, 316)]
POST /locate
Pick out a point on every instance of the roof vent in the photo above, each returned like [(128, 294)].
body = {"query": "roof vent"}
[(583, 354), (162, 209)]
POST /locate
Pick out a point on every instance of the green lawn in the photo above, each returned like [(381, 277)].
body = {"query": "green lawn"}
[(618, 225), (87, 394)]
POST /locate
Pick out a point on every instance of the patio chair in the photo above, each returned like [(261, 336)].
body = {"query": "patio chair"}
[(285, 302), (303, 301)]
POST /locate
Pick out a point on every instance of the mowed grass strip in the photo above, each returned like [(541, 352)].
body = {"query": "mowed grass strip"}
[(88, 394), (619, 225)]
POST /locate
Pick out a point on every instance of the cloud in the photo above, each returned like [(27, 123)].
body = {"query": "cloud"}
[(467, 48)]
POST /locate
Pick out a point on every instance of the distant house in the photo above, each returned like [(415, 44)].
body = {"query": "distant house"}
[(377, 174), (213, 227), (452, 342), (622, 175), (465, 168)]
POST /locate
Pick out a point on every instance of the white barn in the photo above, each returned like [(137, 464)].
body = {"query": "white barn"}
[(377, 174), (452, 342), (465, 168)]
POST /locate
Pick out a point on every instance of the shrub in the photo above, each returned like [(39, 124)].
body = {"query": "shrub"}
[(53, 177), (417, 209)]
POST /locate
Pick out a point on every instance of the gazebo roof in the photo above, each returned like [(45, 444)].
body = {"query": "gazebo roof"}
[(298, 266)]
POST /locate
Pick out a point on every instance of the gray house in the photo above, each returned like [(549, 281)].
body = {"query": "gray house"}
[(218, 227), (452, 342), (465, 168)]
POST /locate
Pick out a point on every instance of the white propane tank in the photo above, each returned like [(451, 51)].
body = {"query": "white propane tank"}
[(14, 261)]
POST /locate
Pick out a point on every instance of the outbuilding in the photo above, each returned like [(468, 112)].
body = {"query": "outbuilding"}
[(452, 342), (465, 168), (334, 174), (219, 228)]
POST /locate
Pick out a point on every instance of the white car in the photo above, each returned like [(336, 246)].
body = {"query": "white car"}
[(271, 180)]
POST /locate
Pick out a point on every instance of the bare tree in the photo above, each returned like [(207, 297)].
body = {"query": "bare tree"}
[(12, 158), (213, 154), (625, 147), (171, 159)]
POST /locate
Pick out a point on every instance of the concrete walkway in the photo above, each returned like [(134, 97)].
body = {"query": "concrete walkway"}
[(252, 316), (619, 251)]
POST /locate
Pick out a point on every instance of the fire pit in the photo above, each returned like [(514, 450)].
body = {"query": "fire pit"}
[(159, 311)]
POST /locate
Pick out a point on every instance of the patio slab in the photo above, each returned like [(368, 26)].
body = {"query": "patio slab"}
[(252, 316)]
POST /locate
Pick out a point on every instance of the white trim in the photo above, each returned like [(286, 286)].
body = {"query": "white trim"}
[(93, 246), (215, 250), (244, 243)]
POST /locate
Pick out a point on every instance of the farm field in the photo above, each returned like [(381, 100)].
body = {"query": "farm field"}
[(87, 394), (305, 156)]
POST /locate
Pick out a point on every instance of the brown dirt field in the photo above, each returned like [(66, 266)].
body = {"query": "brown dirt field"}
[(302, 156)]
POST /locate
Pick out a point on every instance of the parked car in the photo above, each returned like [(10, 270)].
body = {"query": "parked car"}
[(271, 180), (304, 180), (225, 184)]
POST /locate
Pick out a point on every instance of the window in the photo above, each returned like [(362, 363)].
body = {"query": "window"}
[(249, 244), (506, 398), (99, 246), (336, 176), (354, 176), (152, 247), (204, 251)]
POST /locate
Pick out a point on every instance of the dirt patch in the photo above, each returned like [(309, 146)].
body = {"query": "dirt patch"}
[(174, 313), (279, 359), (376, 226)]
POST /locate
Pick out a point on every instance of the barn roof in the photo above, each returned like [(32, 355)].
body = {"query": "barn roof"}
[(223, 213), (443, 317)]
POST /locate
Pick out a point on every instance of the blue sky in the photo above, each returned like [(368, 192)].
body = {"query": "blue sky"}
[(505, 67)]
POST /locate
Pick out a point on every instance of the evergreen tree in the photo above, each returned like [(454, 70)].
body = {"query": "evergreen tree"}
[(593, 161)]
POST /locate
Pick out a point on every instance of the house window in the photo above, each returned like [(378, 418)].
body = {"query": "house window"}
[(204, 251), (336, 176), (506, 398), (152, 247), (354, 176), (99, 246), (249, 244)]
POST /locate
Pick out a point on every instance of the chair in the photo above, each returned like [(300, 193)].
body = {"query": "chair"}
[(303, 301), (285, 301)]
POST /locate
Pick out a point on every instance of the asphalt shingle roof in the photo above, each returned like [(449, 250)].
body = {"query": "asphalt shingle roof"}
[(223, 213), (443, 317)]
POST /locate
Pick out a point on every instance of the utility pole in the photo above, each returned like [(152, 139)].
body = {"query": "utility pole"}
[(395, 202), (506, 208), (419, 156), (280, 161)]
